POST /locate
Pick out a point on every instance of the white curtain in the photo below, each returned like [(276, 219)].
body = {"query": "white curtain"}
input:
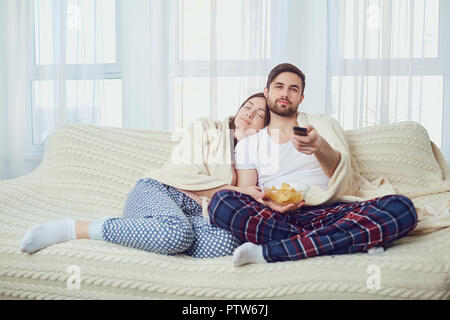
[(15, 45), (386, 63), (182, 60), (151, 64), (60, 67)]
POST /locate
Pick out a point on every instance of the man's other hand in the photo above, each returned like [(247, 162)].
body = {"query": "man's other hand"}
[(280, 207)]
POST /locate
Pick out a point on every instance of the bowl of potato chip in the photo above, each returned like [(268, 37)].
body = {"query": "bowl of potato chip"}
[(286, 193)]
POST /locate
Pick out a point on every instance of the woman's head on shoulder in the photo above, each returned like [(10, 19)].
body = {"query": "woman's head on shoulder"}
[(252, 116)]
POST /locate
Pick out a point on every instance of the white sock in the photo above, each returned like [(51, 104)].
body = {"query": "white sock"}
[(375, 250), (248, 253), (45, 234)]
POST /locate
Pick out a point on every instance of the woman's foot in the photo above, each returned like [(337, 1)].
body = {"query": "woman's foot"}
[(45, 234), (248, 253)]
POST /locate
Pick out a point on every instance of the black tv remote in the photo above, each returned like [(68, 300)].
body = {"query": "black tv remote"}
[(300, 131)]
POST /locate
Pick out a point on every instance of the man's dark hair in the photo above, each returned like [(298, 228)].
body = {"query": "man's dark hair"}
[(285, 67)]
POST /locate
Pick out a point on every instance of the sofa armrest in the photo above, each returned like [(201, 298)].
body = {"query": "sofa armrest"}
[(401, 152), (121, 154)]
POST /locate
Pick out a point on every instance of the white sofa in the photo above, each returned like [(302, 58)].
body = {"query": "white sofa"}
[(87, 172)]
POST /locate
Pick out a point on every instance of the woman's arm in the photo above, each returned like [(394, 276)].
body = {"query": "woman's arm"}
[(210, 192), (246, 183)]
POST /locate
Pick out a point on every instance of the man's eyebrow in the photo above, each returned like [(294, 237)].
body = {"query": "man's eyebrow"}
[(292, 86)]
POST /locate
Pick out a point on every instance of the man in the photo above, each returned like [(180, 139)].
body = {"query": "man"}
[(343, 212)]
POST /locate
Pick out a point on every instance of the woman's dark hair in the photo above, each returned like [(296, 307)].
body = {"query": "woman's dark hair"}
[(285, 67), (266, 117)]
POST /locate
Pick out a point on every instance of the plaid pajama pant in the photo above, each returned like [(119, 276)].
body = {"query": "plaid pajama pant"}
[(343, 227)]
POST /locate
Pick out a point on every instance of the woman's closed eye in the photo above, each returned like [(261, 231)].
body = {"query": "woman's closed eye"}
[(260, 114)]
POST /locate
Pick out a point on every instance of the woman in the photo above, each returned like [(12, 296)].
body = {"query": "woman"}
[(163, 212)]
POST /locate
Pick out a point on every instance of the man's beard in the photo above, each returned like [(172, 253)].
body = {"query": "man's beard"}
[(282, 111)]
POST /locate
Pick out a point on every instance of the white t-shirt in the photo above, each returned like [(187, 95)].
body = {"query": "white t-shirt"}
[(278, 163)]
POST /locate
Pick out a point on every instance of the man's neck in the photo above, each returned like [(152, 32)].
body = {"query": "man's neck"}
[(281, 125), (284, 124)]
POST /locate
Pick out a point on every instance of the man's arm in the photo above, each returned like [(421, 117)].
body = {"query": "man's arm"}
[(328, 157), (246, 177), (313, 143)]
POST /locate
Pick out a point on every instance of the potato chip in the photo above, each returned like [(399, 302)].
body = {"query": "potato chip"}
[(285, 195)]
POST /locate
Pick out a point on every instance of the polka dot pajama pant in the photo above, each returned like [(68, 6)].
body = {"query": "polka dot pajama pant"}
[(162, 219)]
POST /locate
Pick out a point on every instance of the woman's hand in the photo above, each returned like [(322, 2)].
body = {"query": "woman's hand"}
[(253, 191)]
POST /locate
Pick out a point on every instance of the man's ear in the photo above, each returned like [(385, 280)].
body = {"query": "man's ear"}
[(266, 93), (301, 98)]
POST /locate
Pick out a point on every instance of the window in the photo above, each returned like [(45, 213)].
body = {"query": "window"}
[(76, 74), (223, 49), (389, 63)]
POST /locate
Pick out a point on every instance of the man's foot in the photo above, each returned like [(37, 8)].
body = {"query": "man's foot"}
[(248, 253), (375, 250), (45, 234)]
